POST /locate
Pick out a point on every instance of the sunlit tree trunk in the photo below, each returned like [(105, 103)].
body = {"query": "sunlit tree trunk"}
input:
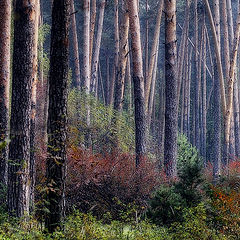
[(22, 80), (57, 113), (138, 81), (171, 115), (5, 36), (75, 47), (123, 55), (153, 53), (33, 107)]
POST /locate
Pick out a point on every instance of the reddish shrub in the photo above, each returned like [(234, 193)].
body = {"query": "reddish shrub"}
[(108, 183)]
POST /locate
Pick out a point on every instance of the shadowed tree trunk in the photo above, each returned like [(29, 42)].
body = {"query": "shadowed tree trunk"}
[(92, 28), (22, 80), (138, 81), (57, 113), (5, 35), (171, 115)]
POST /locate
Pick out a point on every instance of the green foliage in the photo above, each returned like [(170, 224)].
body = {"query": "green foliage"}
[(194, 226), (168, 203), (166, 206), (101, 129), (189, 170)]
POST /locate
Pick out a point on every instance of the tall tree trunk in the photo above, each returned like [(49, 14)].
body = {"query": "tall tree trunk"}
[(153, 52), (5, 36), (171, 115), (138, 81), (57, 113), (116, 53), (92, 28), (22, 79), (33, 107), (217, 91), (95, 62), (86, 47), (86, 66), (75, 47), (204, 95), (123, 55)]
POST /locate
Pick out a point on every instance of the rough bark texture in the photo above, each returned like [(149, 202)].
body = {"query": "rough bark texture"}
[(171, 116), (138, 81), (75, 47), (5, 34), (22, 79), (57, 112)]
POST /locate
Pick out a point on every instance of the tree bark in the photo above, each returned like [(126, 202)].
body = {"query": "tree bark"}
[(95, 62), (5, 36), (92, 28), (75, 47), (138, 81), (153, 52), (171, 115), (57, 113), (22, 80), (123, 55), (33, 108)]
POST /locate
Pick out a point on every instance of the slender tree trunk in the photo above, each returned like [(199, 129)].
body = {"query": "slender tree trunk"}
[(97, 48), (86, 66), (116, 53), (171, 115), (5, 36), (204, 96), (92, 28), (152, 92), (33, 107), (217, 91), (22, 79), (123, 55), (75, 47), (57, 113), (140, 119), (86, 47), (153, 52)]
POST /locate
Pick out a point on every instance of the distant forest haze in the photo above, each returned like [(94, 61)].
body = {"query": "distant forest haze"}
[(92, 88)]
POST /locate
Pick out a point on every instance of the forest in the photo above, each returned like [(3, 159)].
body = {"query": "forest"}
[(119, 119)]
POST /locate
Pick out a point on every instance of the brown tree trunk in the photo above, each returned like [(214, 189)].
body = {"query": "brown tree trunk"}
[(171, 115), (57, 113), (153, 52), (123, 55), (94, 74), (75, 47), (22, 79), (5, 36), (138, 81)]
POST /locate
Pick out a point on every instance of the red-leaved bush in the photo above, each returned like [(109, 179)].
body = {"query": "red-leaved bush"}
[(108, 183)]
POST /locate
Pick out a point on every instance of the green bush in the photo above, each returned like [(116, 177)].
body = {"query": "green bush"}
[(169, 201)]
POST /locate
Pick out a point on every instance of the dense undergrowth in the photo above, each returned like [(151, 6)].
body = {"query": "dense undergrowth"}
[(108, 198)]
